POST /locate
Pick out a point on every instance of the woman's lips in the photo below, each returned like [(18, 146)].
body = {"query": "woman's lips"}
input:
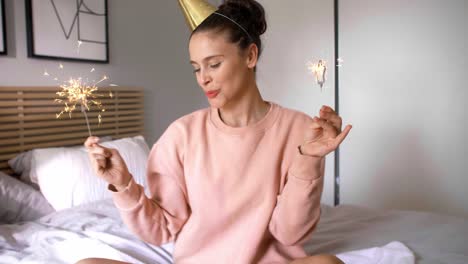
[(212, 94)]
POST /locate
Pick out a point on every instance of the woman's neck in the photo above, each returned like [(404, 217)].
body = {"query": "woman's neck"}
[(246, 111)]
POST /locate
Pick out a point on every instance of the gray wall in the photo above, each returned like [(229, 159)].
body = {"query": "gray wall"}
[(403, 85), (148, 48), (299, 31)]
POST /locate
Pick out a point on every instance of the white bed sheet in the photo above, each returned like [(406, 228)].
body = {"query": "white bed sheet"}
[(96, 230), (93, 230)]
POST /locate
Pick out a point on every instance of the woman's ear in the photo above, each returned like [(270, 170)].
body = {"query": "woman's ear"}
[(252, 56)]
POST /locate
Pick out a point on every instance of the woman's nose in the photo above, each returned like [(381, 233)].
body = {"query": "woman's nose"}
[(205, 78)]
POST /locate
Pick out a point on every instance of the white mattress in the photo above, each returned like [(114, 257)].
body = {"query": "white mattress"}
[(97, 231)]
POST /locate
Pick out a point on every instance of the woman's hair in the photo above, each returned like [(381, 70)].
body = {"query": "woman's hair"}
[(249, 14)]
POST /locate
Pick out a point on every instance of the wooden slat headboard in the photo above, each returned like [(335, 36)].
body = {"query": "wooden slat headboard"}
[(28, 119)]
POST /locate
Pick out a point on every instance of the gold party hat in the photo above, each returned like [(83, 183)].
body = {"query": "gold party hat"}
[(196, 11)]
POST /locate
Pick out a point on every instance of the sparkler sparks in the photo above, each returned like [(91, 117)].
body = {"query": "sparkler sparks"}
[(78, 46), (78, 92), (319, 71), (339, 61)]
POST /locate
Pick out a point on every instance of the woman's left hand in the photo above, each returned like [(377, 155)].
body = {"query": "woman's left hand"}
[(324, 135)]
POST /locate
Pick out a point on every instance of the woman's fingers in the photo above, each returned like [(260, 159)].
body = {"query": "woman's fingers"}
[(95, 150), (325, 131), (327, 127), (95, 164), (342, 135), (102, 163), (99, 150), (99, 165), (99, 156), (315, 124), (327, 108), (101, 169), (331, 116), (90, 141)]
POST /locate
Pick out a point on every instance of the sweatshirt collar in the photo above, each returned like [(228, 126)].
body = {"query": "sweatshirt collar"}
[(260, 126)]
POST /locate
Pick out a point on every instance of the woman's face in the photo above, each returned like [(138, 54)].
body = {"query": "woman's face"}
[(221, 69)]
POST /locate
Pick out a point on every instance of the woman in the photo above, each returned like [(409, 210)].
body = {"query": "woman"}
[(239, 182)]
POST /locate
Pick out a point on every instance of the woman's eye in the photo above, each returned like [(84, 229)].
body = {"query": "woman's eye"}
[(215, 65), (196, 70)]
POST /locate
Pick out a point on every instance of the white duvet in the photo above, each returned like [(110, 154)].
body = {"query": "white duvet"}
[(70, 235), (393, 253)]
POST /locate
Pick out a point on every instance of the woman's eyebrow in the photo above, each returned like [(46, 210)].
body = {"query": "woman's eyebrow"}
[(206, 58)]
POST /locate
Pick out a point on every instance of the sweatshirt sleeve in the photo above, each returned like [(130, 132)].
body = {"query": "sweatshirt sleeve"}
[(158, 219), (298, 207)]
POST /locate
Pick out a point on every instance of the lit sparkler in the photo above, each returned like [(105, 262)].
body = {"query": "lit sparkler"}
[(319, 70), (78, 92)]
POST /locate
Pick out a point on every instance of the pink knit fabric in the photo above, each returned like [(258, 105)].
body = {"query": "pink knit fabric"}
[(228, 194)]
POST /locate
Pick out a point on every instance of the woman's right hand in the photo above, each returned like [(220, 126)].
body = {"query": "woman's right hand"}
[(108, 164)]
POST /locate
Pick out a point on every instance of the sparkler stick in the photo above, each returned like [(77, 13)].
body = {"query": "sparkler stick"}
[(86, 117)]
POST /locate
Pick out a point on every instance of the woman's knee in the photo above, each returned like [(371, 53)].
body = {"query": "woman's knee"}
[(99, 261), (319, 259), (87, 261)]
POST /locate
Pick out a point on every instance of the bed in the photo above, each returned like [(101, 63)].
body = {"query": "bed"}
[(97, 231), (49, 218)]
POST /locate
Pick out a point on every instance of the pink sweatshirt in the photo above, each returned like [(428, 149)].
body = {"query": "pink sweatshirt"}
[(226, 194)]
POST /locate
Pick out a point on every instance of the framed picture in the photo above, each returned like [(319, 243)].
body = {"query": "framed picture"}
[(3, 43), (74, 30)]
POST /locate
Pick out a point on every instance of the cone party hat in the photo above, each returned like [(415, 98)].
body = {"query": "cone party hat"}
[(196, 11)]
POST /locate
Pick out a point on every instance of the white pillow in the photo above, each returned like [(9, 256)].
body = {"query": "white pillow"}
[(21, 164), (66, 178), (20, 202)]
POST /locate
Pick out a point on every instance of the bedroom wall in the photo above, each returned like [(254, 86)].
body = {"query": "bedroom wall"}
[(148, 48), (299, 31), (403, 85)]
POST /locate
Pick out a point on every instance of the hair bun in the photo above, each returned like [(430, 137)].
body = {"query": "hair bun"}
[(246, 12)]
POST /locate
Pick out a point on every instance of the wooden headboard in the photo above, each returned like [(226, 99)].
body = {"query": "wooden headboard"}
[(28, 119)]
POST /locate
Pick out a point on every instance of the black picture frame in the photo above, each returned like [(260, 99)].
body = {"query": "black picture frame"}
[(73, 30), (3, 36)]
